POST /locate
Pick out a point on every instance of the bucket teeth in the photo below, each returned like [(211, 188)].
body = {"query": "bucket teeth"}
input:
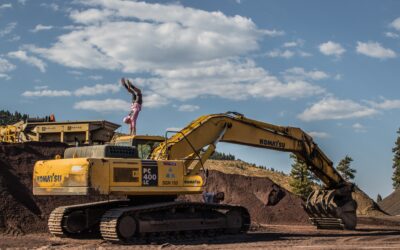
[(327, 210)]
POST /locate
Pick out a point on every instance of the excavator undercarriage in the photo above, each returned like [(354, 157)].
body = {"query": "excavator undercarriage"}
[(121, 221)]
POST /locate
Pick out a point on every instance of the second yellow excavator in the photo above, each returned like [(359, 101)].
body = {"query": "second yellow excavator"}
[(151, 172)]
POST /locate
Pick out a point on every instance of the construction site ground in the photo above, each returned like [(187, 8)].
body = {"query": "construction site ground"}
[(23, 216), (372, 233)]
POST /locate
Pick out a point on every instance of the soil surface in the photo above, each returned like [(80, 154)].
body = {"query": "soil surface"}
[(391, 203), (20, 211), (372, 233), (252, 193)]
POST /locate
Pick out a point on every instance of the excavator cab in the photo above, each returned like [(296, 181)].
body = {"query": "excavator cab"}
[(143, 144)]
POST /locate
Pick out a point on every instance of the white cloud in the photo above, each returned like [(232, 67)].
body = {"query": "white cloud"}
[(358, 127), (270, 88), (187, 52), (34, 61), (289, 44), (273, 33), (279, 53), (338, 77), (297, 43), (374, 49), (304, 54), (331, 49), (387, 104), (52, 6), (97, 89), (5, 6), (41, 27), (154, 100), (46, 93), (188, 108), (75, 72), (298, 73), (5, 76), (91, 16), (137, 36), (392, 35), (95, 77), (8, 29), (5, 66), (331, 108), (22, 2), (235, 80), (107, 105), (396, 24), (316, 134), (14, 38), (111, 105)]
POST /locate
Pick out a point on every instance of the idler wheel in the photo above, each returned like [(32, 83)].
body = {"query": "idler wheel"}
[(75, 222), (126, 227), (234, 221)]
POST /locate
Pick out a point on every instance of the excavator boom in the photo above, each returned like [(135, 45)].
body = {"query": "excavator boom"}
[(233, 127)]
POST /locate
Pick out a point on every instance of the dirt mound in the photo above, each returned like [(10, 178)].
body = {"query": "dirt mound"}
[(391, 203), (366, 206), (252, 193), (20, 211), (243, 168)]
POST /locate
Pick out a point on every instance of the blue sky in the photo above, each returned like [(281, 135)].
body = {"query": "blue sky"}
[(330, 68)]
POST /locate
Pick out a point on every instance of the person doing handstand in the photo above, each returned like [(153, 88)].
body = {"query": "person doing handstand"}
[(136, 106)]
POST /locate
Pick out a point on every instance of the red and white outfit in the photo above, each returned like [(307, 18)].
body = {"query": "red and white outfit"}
[(132, 117), (136, 106)]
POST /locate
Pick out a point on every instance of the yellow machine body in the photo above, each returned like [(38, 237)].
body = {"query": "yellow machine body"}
[(108, 176)]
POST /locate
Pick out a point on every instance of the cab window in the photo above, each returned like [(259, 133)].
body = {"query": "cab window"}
[(144, 148)]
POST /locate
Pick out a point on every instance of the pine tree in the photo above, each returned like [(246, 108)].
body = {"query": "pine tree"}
[(378, 198), (222, 156), (396, 162), (7, 118), (301, 180), (344, 168)]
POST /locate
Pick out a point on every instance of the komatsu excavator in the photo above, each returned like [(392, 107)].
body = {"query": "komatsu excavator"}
[(152, 173)]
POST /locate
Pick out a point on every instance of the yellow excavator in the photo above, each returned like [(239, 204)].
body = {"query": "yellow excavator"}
[(151, 171)]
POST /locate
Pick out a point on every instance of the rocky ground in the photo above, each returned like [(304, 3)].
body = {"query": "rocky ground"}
[(23, 217), (372, 233)]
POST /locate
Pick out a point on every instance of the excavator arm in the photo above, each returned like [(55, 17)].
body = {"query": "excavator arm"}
[(331, 207)]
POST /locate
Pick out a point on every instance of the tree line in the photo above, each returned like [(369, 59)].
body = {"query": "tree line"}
[(8, 118)]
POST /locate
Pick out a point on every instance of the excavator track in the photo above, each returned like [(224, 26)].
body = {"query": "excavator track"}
[(57, 222), (128, 225)]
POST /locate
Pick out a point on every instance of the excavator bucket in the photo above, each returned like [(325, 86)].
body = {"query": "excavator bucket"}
[(332, 209)]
